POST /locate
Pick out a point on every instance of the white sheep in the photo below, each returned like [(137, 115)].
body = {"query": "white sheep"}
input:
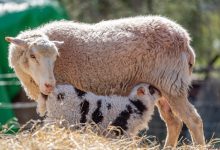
[(130, 114), (110, 57)]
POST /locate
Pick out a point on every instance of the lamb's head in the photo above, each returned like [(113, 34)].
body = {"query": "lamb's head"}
[(37, 59), (145, 92), (63, 92)]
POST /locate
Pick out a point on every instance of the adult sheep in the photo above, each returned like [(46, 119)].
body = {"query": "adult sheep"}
[(111, 56)]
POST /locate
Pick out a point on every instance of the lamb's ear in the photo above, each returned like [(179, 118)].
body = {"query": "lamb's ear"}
[(140, 91), (58, 43), (19, 42)]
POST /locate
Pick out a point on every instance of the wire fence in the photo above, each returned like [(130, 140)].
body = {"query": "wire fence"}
[(9, 79)]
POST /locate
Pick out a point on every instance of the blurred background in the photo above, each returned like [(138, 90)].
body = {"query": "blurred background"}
[(200, 17)]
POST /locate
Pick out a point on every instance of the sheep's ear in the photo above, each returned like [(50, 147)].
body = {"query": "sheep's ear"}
[(58, 43), (140, 91), (16, 41)]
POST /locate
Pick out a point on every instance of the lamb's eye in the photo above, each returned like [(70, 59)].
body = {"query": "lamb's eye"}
[(60, 96), (33, 56), (151, 90)]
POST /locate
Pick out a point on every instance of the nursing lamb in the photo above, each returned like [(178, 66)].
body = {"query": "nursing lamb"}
[(129, 114), (112, 56)]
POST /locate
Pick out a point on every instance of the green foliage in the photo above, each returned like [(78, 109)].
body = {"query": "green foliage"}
[(200, 17)]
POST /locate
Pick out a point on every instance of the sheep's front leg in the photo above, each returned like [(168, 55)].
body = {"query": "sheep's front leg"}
[(173, 124), (41, 105)]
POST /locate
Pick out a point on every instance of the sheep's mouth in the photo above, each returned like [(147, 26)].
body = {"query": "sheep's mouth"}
[(42, 93), (44, 96)]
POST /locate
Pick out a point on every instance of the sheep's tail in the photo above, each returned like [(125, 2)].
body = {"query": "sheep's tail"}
[(192, 57), (175, 77)]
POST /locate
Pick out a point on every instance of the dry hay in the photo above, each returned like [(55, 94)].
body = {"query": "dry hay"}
[(51, 136)]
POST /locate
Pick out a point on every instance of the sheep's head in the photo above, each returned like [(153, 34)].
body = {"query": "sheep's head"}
[(37, 60), (145, 92)]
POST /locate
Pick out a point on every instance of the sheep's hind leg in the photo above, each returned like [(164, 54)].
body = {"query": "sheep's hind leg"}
[(173, 124), (188, 114)]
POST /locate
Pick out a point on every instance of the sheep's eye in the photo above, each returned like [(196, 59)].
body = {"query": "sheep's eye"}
[(33, 56)]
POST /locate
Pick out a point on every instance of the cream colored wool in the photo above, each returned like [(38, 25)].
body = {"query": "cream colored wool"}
[(64, 103), (111, 56)]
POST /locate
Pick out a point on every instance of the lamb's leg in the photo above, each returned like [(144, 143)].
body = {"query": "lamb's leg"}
[(188, 114), (173, 124)]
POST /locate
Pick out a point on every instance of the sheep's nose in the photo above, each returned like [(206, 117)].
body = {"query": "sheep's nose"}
[(49, 87)]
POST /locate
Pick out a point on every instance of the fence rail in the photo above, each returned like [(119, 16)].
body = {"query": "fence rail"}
[(6, 83), (8, 75), (204, 70), (18, 105)]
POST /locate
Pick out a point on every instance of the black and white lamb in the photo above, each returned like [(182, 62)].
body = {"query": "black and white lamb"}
[(129, 114)]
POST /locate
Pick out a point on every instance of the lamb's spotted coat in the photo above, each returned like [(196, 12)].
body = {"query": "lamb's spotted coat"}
[(130, 113)]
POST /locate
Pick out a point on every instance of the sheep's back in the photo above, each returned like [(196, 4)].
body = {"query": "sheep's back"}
[(110, 57)]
